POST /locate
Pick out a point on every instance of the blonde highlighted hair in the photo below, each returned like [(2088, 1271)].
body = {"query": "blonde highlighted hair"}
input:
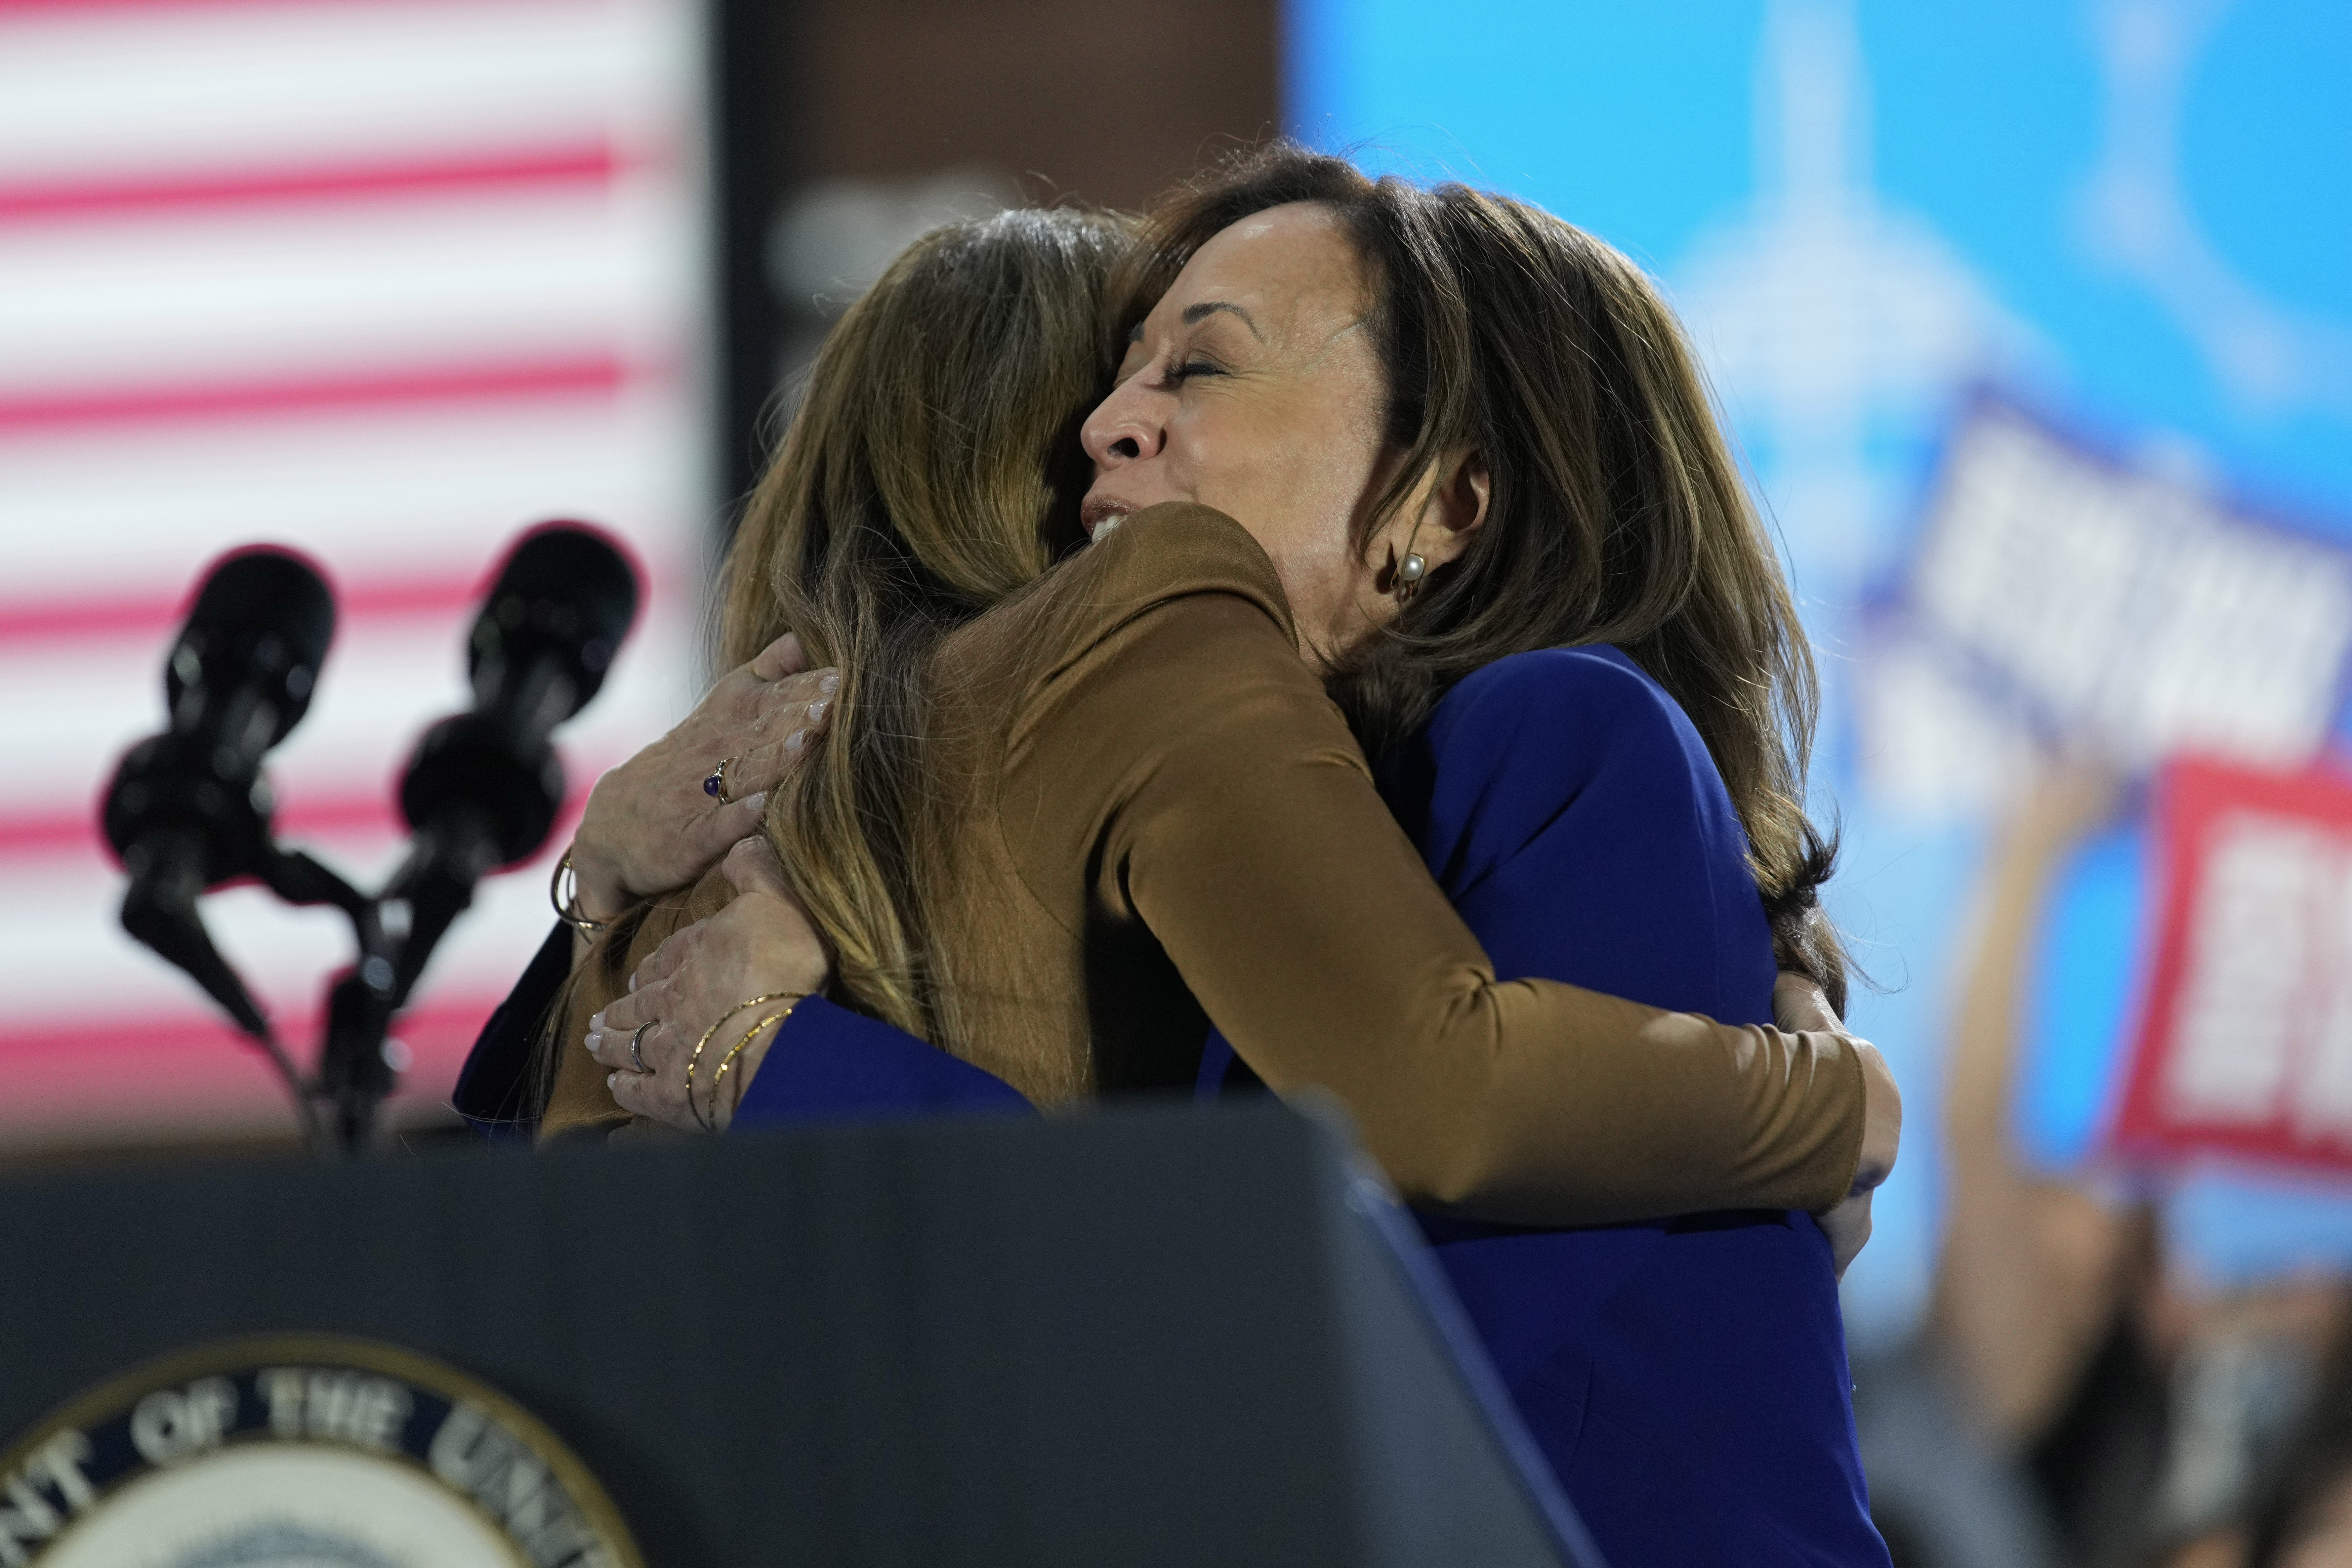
[(933, 470)]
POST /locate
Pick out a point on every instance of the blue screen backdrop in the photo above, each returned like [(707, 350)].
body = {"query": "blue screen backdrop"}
[(2136, 214)]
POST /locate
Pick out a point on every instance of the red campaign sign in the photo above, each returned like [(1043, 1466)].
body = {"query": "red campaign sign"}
[(2245, 1043)]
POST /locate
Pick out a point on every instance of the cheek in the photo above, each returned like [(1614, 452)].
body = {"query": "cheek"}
[(1308, 539), (1216, 444), (1295, 478)]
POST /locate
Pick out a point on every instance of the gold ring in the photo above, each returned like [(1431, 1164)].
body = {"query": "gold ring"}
[(715, 785)]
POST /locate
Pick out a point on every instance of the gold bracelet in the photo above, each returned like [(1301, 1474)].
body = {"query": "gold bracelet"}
[(696, 1054), (567, 905), (728, 1059)]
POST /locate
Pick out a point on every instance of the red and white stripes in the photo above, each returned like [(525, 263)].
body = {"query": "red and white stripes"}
[(384, 280)]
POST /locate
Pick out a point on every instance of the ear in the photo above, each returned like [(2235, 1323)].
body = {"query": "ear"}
[(1455, 509)]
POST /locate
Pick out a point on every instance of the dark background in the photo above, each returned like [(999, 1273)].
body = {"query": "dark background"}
[(1101, 102)]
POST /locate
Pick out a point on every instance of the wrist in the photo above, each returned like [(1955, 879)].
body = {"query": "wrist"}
[(597, 890), (1882, 1117), (746, 1059), (791, 959)]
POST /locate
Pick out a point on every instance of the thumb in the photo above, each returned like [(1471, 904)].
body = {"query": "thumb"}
[(1799, 1004), (780, 659), (751, 866)]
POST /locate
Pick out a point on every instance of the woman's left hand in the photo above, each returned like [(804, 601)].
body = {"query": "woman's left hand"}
[(694, 987), (1798, 1004), (657, 822)]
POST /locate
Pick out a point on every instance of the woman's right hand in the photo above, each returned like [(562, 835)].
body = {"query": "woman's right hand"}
[(650, 827)]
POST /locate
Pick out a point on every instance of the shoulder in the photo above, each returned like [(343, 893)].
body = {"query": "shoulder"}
[(1171, 575), (1540, 739), (1179, 547), (1171, 630), (1160, 659), (1566, 701), (1175, 554)]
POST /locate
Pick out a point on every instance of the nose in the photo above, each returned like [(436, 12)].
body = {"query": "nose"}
[(1124, 426)]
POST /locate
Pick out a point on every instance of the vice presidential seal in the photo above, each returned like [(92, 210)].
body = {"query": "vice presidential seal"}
[(301, 1453)]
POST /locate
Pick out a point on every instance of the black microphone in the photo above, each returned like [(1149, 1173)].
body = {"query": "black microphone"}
[(484, 786), (538, 650), (188, 809)]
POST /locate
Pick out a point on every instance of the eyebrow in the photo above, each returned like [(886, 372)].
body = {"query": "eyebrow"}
[(1208, 307)]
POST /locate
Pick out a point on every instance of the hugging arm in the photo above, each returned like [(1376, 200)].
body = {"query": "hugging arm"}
[(653, 826), (1245, 832), (650, 828), (1185, 756), (816, 1062)]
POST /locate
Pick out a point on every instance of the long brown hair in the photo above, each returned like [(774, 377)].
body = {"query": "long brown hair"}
[(932, 470), (1617, 513)]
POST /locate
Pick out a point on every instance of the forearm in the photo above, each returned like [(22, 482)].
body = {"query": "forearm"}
[(1985, 1019), (578, 1096), (1305, 922), (2026, 1282), (1195, 773), (1585, 1108)]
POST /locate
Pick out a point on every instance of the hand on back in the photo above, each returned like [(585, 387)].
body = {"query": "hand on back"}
[(711, 985), (1798, 1005), (652, 824)]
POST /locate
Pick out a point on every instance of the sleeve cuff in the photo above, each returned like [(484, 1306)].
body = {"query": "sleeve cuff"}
[(494, 1090), (829, 1064)]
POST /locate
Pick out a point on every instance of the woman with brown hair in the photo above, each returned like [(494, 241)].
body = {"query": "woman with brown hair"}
[(1133, 811)]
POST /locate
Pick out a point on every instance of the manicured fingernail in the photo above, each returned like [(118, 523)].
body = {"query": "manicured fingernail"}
[(632, 982), (792, 741), (829, 683), (612, 1080), (594, 1038), (816, 710), (756, 799), (595, 1021)]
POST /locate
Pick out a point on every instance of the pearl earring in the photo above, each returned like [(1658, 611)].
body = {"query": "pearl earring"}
[(1409, 574)]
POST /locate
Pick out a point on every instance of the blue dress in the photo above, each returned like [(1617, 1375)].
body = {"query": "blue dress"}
[(1685, 1379)]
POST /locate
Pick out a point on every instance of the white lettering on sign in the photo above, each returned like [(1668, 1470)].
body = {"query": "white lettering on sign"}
[(2239, 1008), (334, 1404), (2130, 609), (2323, 1109), (28, 1517), (171, 1424), (475, 1454), (2263, 1032)]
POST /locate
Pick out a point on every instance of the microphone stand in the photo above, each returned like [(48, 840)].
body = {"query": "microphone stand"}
[(353, 1073), (396, 931), (189, 811), (433, 886)]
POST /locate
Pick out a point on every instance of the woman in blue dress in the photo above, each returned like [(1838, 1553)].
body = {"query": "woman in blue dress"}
[(1685, 1378)]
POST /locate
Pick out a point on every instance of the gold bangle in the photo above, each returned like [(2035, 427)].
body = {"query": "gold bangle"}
[(567, 905), (695, 1056), (737, 1048)]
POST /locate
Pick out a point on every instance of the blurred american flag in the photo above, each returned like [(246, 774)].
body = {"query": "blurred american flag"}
[(382, 279)]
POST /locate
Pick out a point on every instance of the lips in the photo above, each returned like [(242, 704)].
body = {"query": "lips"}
[(1100, 514)]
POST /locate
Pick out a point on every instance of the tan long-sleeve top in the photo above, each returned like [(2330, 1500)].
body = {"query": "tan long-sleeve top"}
[(1152, 818)]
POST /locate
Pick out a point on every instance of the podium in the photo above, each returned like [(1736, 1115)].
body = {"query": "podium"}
[(1146, 1336)]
